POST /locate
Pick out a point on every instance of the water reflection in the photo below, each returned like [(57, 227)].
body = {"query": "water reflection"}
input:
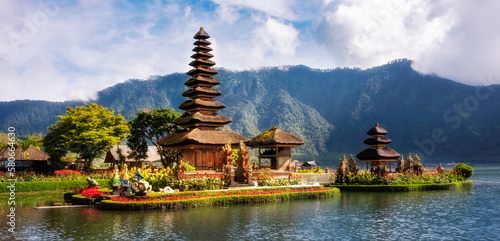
[(471, 214)]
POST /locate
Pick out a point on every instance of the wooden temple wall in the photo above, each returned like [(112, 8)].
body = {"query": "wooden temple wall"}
[(203, 158)]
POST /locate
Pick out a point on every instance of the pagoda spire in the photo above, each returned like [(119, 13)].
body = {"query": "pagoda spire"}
[(201, 108)]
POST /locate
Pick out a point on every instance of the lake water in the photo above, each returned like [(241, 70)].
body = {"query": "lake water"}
[(471, 214)]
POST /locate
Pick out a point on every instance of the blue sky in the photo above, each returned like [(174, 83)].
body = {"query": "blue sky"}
[(63, 50)]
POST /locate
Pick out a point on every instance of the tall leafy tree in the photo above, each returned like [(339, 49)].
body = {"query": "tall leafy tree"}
[(88, 130), (152, 125)]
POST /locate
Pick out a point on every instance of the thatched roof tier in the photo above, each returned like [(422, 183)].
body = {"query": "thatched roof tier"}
[(202, 42), (202, 62), (202, 71), (197, 137), (201, 80), (113, 155), (386, 154), (199, 104), (199, 119), (201, 34), (377, 141), (202, 92), (275, 137), (377, 130), (202, 48), (31, 154), (202, 55)]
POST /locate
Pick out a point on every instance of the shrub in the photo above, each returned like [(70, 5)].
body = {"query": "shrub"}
[(463, 170), (190, 168)]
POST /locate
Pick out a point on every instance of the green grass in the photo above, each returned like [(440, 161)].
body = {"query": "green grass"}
[(49, 185), (29, 199)]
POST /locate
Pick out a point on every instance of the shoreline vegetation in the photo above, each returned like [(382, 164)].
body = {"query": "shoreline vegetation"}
[(201, 190), (405, 187)]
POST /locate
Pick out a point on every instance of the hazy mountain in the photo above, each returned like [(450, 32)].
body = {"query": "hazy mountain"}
[(330, 109)]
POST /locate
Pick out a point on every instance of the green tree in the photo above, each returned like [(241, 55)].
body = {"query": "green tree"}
[(88, 130), (4, 141), (152, 125)]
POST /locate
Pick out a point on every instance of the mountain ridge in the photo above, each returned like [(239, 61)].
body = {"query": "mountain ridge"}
[(330, 109)]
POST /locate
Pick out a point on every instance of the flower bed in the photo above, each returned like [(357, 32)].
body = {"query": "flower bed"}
[(67, 173), (405, 187), (199, 199), (163, 177), (92, 192)]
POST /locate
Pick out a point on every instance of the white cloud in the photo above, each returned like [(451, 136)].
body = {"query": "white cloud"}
[(449, 38), (293, 10), (71, 50), (228, 13), (273, 40)]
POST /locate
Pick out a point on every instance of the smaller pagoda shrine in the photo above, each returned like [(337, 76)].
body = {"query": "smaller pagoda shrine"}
[(276, 145), (378, 154)]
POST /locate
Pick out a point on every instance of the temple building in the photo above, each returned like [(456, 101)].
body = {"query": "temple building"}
[(378, 154), (276, 145), (202, 141)]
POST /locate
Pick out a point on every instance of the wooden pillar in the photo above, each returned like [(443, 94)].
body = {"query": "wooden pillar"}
[(259, 158)]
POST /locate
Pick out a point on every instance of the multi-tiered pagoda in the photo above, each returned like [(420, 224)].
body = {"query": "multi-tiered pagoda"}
[(201, 143), (378, 154)]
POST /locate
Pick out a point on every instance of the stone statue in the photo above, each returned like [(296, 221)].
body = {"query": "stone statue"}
[(231, 175), (440, 169), (409, 164), (342, 171), (243, 163), (418, 167), (92, 182), (228, 161), (401, 165), (181, 169)]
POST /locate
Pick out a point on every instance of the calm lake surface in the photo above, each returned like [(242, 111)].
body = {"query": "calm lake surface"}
[(472, 214)]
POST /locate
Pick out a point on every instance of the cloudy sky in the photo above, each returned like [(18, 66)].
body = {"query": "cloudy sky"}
[(63, 50)]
